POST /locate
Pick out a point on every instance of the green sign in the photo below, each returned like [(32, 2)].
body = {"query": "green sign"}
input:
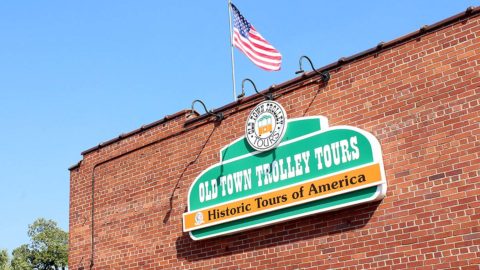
[(315, 168)]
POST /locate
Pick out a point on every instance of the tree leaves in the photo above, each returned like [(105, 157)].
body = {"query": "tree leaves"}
[(48, 248), (4, 260)]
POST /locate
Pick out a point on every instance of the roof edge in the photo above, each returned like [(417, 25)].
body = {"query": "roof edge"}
[(136, 131), (382, 46), (75, 166)]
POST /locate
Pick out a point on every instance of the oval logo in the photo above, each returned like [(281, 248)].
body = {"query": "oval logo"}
[(266, 125), (198, 218)]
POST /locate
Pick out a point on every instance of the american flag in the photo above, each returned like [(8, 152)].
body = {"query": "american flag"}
[(252, 44)]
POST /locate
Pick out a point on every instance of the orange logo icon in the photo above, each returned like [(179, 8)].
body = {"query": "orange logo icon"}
[(264, 125)]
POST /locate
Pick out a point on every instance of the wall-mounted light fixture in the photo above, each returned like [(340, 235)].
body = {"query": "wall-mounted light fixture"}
[(324, 75), (218, 116), (268, 96)]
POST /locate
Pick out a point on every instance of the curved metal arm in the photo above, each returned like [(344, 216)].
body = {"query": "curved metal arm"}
[(268, 96), (218, 116), (324, 75)]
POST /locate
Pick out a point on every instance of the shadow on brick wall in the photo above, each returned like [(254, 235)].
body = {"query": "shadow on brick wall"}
[(321, 227)]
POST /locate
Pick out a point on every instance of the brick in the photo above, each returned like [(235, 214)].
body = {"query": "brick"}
[(420, 99)]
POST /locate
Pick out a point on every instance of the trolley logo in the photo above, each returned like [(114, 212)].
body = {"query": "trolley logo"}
[(266, 126), (314, 168)]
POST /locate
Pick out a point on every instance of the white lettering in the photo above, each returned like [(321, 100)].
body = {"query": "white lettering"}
[(318, 156), (259, 173), (298, 164), (306, 157)]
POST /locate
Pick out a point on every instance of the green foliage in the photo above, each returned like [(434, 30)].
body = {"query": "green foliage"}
[(49, 244), (4, 260), (48, 248), (20, 260)]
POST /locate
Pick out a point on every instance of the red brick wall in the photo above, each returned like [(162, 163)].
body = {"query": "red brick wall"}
[(420, 99)]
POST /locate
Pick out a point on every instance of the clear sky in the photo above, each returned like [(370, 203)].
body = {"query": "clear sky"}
[(76, 73)]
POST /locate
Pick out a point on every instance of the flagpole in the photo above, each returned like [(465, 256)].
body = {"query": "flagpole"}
[(231, 47)]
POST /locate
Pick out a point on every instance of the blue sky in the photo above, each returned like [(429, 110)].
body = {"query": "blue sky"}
[(73, 74)]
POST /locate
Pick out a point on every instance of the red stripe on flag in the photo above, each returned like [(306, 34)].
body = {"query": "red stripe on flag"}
[(273, 55), (251, 50), (265, 62), (252, 44)]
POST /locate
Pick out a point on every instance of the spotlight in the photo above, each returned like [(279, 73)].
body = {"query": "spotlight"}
[(324, 75), (218, 116), (268, 96)]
